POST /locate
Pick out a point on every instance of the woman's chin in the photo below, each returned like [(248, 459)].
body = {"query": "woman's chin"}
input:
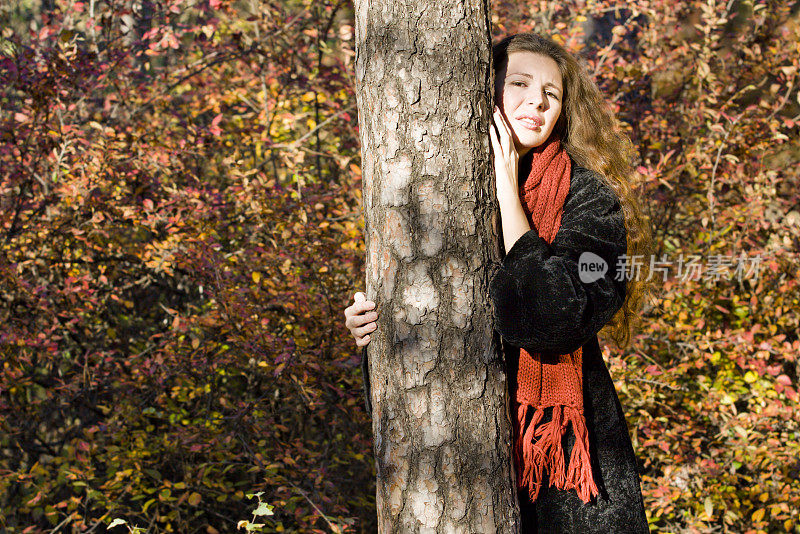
[(527, 145)]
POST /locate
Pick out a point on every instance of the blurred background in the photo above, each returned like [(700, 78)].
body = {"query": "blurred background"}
[(180, 232)]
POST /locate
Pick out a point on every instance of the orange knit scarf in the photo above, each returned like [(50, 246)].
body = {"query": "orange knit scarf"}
[(553, 380)]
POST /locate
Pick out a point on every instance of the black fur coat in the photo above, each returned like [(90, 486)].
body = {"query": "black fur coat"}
[(544, 303)]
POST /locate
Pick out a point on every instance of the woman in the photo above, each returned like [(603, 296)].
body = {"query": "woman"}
[(568, 220)]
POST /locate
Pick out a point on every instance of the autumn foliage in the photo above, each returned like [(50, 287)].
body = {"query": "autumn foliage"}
[(180, 231)]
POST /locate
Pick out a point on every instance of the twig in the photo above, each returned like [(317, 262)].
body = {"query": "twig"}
[(69, 518), (710, 193), (785, 99), (334, 528), (98, 523), (657, 383), (296, 142)]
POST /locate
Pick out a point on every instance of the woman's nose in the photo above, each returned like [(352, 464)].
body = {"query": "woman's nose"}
[(536, 98)]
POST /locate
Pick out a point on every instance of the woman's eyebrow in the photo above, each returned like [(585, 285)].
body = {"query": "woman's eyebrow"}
[(526, 75)]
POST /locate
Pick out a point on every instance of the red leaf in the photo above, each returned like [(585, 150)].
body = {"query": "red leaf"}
[(653, 370), (214, 128)]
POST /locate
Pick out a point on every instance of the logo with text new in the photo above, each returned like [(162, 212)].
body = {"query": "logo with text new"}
[(591, 267)]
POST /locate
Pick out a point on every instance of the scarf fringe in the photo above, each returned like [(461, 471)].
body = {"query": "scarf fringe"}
[(539, 446)]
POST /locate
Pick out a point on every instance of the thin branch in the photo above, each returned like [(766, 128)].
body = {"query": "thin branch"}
[(334, 528), (296, 142)]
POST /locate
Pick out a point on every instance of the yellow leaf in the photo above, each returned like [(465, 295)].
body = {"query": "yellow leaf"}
[(758, 515), (147, 505), (256, 277), (194, 499)]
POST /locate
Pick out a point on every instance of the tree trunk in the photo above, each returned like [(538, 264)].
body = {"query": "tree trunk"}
[(440, 415)]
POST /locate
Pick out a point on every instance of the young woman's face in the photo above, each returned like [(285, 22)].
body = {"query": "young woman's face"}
[(529, 92)]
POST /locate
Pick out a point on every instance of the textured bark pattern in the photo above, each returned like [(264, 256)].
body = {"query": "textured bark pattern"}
[(440, 418)]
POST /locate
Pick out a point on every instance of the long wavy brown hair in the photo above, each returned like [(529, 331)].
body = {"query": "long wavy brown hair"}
[(590, 135)]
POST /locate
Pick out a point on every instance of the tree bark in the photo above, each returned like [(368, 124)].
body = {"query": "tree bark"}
[(439, 395)]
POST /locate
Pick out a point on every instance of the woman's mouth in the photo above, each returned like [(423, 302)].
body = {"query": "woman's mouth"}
[(530, 123)]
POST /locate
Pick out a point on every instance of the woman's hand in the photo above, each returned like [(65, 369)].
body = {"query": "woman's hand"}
[(506, 159), (359, 320), (506, 167)]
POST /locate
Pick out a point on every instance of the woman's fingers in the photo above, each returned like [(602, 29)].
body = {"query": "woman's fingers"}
[(360, 318), (364, 330), (504, 122), (495, 142), (358, 307), (502, 144), (502, 128), (499, 144), (499, 132)]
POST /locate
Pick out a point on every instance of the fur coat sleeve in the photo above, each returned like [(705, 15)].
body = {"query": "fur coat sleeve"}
[(543, 301)]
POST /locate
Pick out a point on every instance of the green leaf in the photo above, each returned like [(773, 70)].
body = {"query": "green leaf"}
[(116, 523), (263, 509), (251, 495)]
